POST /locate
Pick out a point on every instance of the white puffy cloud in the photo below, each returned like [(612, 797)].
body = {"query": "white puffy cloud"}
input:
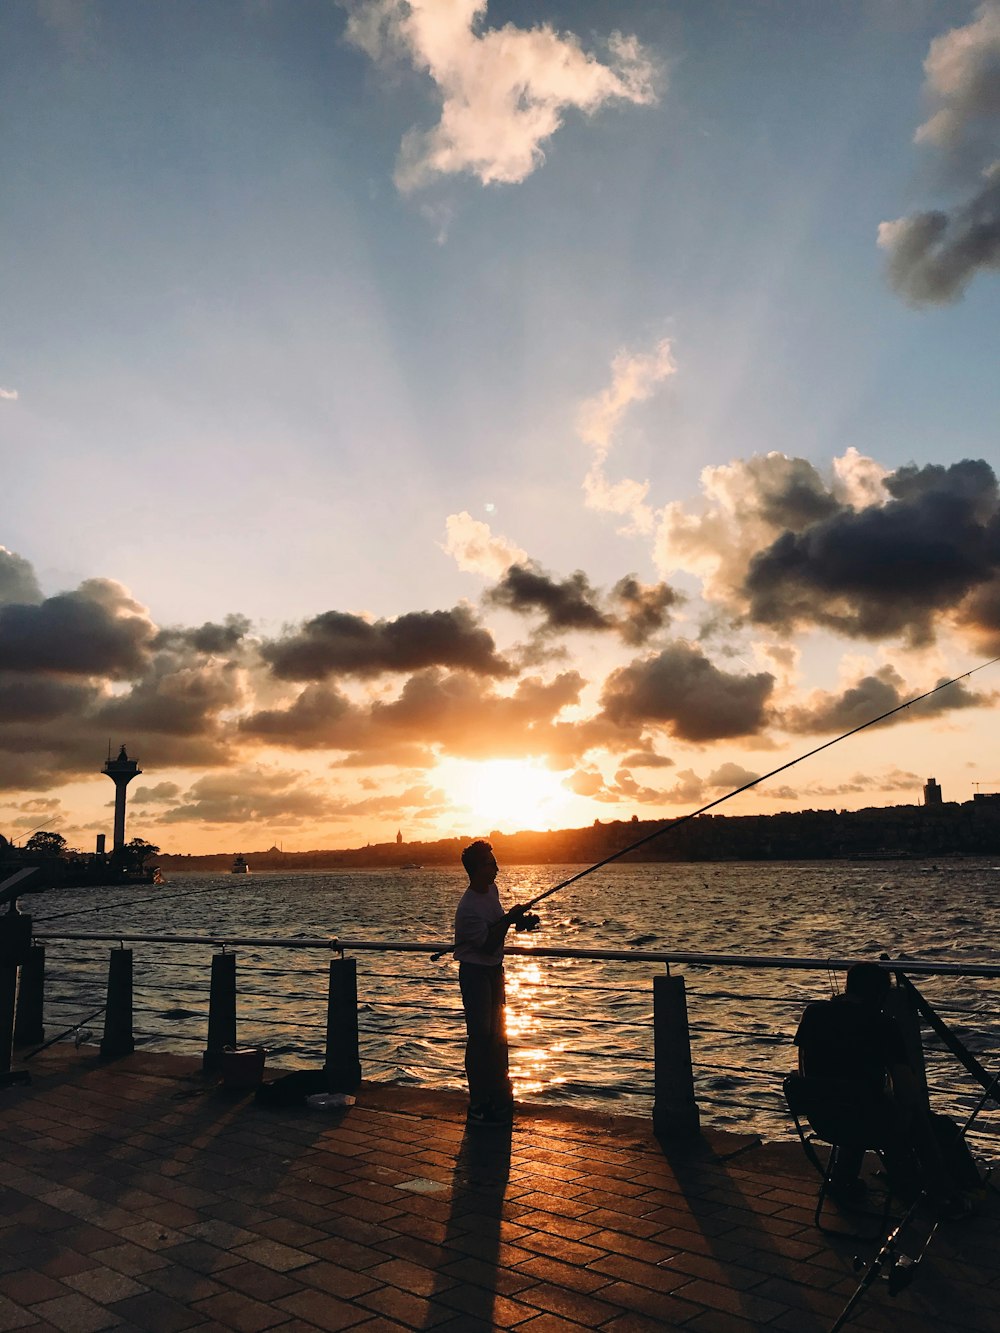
[(475, 549), (746, 505), (963, 78), (933, 255), (635, 376), (503, 91), (11, 395)]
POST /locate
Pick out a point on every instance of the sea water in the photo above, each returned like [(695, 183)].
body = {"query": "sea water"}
[(580, 1031)]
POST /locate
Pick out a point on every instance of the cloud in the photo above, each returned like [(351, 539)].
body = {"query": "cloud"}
[(933, 255), (175, 699), (894, 779), (644, 608), (885, 570), (9, 395), (336, 643), (647, 759), (503, 91), (211, 639), (963, 79), (866, 553), (420, 800), (635, 376), (17, 580), (476, 550), (163, 793), (254, 796), (567, 605), (680, 688), (449, 711), (634, 610), (869, 697), (746, 505), (590, 782), (96, 630)]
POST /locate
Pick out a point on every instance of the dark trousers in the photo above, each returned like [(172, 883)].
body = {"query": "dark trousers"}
[(484, 1001)]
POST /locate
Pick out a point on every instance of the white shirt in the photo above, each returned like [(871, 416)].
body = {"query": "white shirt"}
[(475, 913)]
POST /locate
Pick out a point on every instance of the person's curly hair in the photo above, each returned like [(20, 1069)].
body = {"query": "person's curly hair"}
[(475, 854)]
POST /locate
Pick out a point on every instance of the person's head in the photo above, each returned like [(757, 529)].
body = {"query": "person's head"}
[(479, 862), (869, 984)]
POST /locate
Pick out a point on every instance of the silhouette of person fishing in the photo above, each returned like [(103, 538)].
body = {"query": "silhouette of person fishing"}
[(481, 926)]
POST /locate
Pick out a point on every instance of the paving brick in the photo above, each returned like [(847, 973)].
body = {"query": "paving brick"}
[(14, 1316), (745, 1303), (404, 1307), (239, 1312), (564, 1275), (659, 1306), (104, 1285), (272, 1254), (28, 1288), (322, 1310), (479, 1303), (157, 1313), (74, 1314)]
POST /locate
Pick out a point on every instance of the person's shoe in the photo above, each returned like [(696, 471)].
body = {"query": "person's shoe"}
[(480, 1113), (484, 1114)]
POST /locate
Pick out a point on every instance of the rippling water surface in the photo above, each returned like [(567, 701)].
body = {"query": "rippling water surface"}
[(580, 1030)]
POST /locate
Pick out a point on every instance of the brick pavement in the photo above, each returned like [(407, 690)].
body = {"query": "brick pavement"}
[(139, 1195)]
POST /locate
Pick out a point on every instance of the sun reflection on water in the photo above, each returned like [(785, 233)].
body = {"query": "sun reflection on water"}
[(528, 996)]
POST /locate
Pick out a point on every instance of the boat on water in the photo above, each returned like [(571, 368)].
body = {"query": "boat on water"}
[(411, 865), (240, 866)]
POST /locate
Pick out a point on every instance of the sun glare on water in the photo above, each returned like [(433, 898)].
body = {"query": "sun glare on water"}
[(506, 794)]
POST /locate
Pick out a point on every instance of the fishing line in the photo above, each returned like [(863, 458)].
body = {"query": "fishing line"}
[(782, 768), (676, 823), (130, 902)]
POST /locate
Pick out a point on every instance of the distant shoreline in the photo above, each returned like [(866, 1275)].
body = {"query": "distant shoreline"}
[(880, 833)]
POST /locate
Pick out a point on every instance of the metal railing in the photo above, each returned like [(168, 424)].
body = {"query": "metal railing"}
[(581, 1021)]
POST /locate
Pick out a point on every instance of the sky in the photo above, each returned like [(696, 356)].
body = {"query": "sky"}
[(448, 416)]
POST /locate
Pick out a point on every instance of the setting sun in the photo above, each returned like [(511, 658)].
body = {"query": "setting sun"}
[(507, 794)]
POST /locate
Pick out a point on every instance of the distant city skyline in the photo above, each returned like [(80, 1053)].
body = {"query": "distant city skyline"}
[(471, 416)]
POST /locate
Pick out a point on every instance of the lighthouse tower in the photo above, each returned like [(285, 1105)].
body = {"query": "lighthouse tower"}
[(121, 771)]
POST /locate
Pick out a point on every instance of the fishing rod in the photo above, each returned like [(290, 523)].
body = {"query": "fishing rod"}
[(684, 819), (719, 800), (902, 1268)]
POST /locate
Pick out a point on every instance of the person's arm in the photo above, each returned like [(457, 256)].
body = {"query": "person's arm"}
[(497, 933)]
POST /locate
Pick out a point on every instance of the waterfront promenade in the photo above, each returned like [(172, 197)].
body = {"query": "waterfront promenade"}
[(137, 1194)]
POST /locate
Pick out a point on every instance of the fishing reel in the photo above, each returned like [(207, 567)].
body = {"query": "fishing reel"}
[(527, 921)]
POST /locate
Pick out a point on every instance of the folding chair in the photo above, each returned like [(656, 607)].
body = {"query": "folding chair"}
[(844, 1116)]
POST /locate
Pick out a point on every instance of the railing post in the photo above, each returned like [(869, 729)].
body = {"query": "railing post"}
[(118, 1038), (675, 1111), (29, 1025), (8, 999), (221, 1010), (342, 1063)]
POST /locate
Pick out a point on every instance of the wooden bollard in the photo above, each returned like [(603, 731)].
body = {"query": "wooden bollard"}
[(221, 1010), (342, 1064), (118, 1037), (675, 1111), (29, 1025)]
